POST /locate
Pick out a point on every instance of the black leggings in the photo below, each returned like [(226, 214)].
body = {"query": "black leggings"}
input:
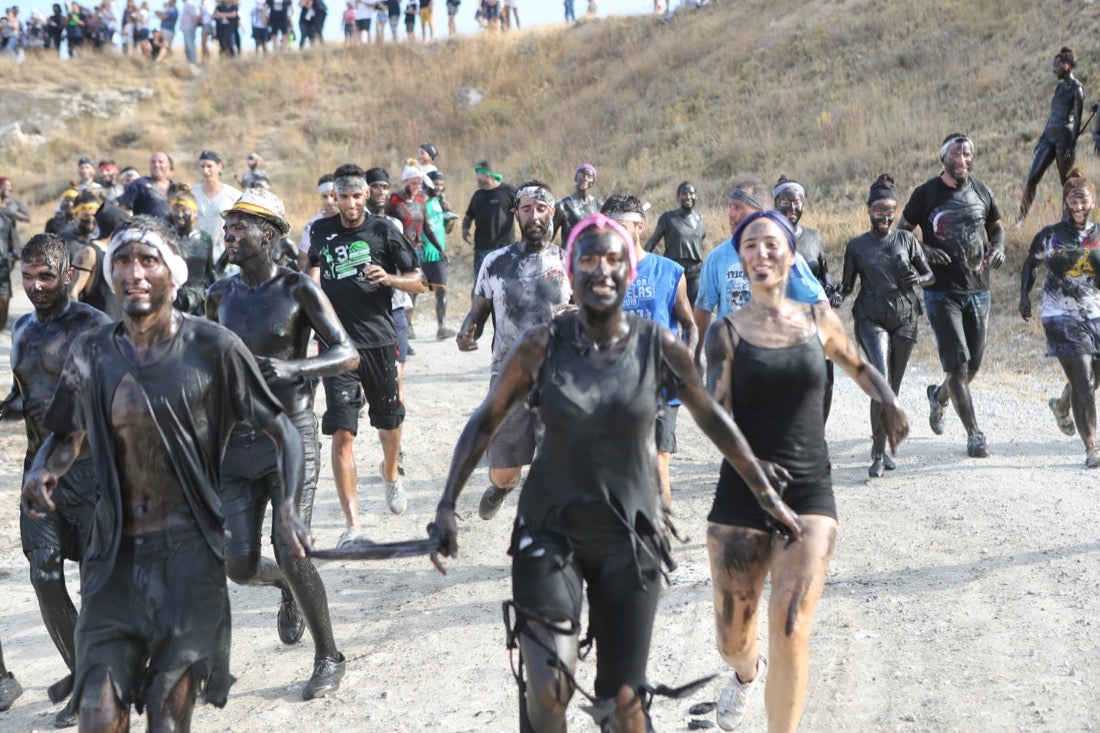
[(1054, 146), (887, 351)]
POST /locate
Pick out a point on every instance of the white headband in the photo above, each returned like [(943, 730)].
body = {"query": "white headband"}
[(957, 139), (626, 216), (326, 187), (350, 184), (177, 266), (538, 193), (789, 186)]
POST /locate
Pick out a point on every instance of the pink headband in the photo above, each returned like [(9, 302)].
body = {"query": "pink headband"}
[(599, 221)]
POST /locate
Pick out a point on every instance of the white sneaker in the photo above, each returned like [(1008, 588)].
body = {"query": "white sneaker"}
[(395, 496), (350, 535), (733, 703)]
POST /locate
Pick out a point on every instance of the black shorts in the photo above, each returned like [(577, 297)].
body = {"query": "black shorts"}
[(260, 34), (250, 482), (1070, 336), (736, 505), (435, 273), (666, 428), (66, 528), (590, 546), (278, 23), (373, 383), (959, 323), (164, 610), (362, 24)]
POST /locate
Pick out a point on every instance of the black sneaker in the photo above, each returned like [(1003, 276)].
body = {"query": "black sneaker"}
[(66, 716), (888, 462), (10, 690), (878, 466), (290, 621), (491, 501), (935, 410), (327, 673), (976, 447)]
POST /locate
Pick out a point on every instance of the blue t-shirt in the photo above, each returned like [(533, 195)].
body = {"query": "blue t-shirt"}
[(652, 295), (168, 22), (723, 285)]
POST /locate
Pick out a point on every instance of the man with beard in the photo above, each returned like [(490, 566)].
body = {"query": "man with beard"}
[(491, 212), (956, 214), (156, 396), (572, 208), (196, 248), (360, 259), (723, 286), (683, 230), (40, 343), (274, 310), (87, 249), (149, 194), (520, 286)]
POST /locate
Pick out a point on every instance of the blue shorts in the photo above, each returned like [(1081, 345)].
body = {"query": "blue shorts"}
[(959, 323), (1070, 336)]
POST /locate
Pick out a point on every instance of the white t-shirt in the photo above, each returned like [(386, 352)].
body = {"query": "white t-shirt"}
[(210, 213)]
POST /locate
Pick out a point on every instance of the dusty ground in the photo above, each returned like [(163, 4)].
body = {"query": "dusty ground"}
[(963, 595)]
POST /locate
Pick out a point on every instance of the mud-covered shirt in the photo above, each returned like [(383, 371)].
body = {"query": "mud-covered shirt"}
[(1072, 257), (343, 254)]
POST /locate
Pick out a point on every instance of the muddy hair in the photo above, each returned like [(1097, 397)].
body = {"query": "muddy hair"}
[(152, 224), (622, 203), (682, 186), (46, 249), (1067, 57), (180, 191), (1076, 179)]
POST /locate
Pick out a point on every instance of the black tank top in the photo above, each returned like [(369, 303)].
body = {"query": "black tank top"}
[(101, 296), (598, 443), (778, 402)]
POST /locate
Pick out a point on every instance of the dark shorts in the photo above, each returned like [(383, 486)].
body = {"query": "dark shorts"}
[(666, 428), (401, 323), (452, 7), (278, 23), (591, 547), (5, 277), (959, 324), (260, 35), (516, 440), (66, 528), (362, 24), (435, 273), (1069, 336), (250, 482), (163, 610), (373, 383), (736, 505)]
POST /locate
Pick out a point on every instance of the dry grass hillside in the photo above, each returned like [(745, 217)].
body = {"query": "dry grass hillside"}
[(832, 92)]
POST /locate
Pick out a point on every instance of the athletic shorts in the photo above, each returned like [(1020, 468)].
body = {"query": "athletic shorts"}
[(401, 322), (410, 21), (959, 324), (381, 17), (162, 611), (516, 440), (452, 7), (373, 383), (250, 482), (1069, 336), (260, 35), (362, 24), (5, 277), (590, 546), (435, 273), (666, 428), (492, 12), (66, 528), (736, 505), (278, 23)]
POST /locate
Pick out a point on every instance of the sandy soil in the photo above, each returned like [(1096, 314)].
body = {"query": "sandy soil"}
[(963, 595)]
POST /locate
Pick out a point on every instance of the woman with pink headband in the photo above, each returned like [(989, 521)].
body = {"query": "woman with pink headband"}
[(589, 511)]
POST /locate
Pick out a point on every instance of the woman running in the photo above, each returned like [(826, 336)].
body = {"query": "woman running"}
[(889, 263), (766, 364), (589, 511), (1070, 308)]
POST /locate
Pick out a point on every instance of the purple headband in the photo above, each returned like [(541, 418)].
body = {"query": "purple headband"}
[(775, 216), (586, 167), (599, 221)]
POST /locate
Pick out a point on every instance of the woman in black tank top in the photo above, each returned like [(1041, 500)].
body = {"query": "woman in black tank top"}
[(766, 363), (589, 511)]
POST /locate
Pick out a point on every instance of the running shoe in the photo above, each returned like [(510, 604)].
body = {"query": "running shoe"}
[(445, 333), (976, 447), (1092, 457), (935, 410), (395, 496), (349, 535), (733, 703), (10, 690), (289, 620), (66, 716), (888, 462), (1064, 419), (327, 673), (491, 502)]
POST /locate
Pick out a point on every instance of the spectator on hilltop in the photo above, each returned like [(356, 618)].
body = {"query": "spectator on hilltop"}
[(55, 28), (427, 25), (452, 11), (278, 18), (260, 31), (570, 13), (255, 172), (169, 16)]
